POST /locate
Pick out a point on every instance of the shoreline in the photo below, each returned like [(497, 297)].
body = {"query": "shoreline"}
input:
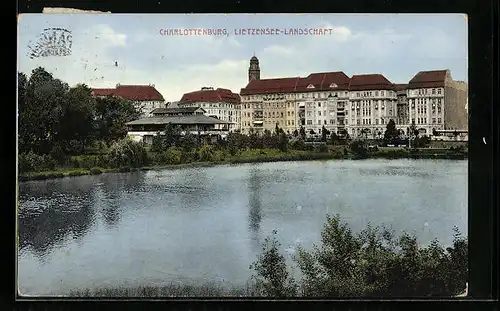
[(283, 157)]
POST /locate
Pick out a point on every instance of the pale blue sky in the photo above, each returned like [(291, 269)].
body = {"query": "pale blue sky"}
[(395, 45)]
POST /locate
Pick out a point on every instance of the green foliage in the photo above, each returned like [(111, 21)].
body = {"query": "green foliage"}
[(57, 153), (206, 153), (86, 161), (334, 138), (391, 133), (324, 134), (298, 144), (31, 162), (128, 153), (271, 271), (112, 114), (170, 156), (283, 142), (95, 171), (358, 148), (370, 263)]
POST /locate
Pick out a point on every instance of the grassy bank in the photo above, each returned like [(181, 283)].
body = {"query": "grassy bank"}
[(171, 290), (248, 156)]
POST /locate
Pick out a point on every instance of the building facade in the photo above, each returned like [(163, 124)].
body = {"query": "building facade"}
[(190, 120), (145, 97), (360, 106), (437, 102), (218, 103)]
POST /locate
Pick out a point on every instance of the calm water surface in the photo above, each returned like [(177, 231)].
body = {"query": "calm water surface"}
[(208, 224)]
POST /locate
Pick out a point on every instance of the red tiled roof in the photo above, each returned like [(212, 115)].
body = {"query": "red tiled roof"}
[(427, 79), (131, 92), (218, 95), (370, 82), (321, 82), (264, 86), (400, 87)]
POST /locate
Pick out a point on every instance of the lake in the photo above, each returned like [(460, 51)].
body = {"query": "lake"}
[(195, 225)]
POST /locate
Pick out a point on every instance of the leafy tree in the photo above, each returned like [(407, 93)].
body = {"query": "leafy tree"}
[(172, 135), (271, 275), (324, 133), (295, 133), (127, 153), (334, 138), (283, 142), (112, 113), (302, 132), (358, 148), (391, 133), (75, 128), (40, 108)]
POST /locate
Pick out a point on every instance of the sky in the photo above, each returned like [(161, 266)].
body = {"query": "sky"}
[(129, 49)]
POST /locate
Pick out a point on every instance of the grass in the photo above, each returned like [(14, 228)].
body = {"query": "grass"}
[(171, 290), (257, 156)]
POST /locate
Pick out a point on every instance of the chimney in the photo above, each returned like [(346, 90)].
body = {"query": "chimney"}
[(118, 85), (152, 85)]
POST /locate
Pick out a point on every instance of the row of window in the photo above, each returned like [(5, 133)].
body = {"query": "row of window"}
[(437, 91), (425, 101), (424, 120), (375, 93)]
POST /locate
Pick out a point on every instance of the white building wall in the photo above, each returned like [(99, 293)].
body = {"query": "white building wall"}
[(426, 108), (229, 112)]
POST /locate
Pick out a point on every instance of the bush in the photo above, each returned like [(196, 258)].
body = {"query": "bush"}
[(206, 153), (371, 263), (57, 153), (31, 162), (358, 148), (272, 275), (95, 171), (86, 161), (127, 153)]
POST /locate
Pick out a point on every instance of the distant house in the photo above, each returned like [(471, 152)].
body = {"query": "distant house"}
[(146, 97), (190, 120)]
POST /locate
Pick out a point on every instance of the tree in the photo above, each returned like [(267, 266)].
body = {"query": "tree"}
[(302, 132), (277, 129), (271, 275), (75, 128), (334, 138), (171, 135), (324, 133), (295, 133), (283, 142), (42, 99), (391, 132), (112, 114)]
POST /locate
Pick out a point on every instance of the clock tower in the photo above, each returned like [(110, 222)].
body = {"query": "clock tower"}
[(254, 69)]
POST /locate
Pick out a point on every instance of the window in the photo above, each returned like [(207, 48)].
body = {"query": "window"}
[(358, 121), (433, 91), (376, 93), (293, 122), (288, 113), (309, 122), (439, 120), (376, 121), (324, 122), (319, 104), (288, 122), (319, 122), (332, 121), (345, 121), (282, 114), (319, 113), (439, 91)]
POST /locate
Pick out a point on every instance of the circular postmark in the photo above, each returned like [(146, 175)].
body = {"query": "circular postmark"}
[(51, 42)]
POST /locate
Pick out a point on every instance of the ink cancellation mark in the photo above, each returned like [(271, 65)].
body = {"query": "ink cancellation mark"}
[(51, 42)]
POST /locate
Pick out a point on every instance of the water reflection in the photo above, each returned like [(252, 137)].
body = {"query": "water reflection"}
[(67, 217), (254, 204)]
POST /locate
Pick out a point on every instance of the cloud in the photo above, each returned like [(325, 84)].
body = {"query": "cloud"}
[(108, 35), (278, 49)]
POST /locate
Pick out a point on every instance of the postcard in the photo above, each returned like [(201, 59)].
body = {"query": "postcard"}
[(242, 155)]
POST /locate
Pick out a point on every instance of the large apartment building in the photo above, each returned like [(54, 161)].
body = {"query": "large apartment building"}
[(218, 103), (361, 105)]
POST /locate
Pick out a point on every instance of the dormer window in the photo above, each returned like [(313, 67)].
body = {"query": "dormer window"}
[(310, 86), (333, 85)]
